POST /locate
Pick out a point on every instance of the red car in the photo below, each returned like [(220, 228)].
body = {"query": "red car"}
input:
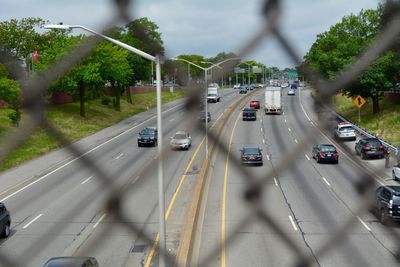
[(255, 104)]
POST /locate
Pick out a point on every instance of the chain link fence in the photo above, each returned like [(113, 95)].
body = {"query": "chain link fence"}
[(33, 102)]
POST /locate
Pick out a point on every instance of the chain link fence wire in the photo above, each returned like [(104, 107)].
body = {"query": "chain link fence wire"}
[(35, 89)]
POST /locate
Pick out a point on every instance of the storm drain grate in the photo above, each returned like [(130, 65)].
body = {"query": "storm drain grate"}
[(137, 249)]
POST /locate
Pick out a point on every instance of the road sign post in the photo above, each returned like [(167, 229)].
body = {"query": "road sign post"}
[(359, 101)]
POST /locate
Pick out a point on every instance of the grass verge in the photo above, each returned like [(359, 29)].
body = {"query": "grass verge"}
[(386, 123), (66, 118)]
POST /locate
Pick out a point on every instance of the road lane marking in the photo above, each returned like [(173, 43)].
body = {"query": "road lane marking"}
[(295, 140), (289, 129), (119, 156), (268, 157), (363, 223), (263, 141), (276, 182), (261, 129), (285, 120), (223, 217), (172, 119), (293, 223), (307, 157), (100, 219), (326, 181), (87, 179), (32, 221), (84, 154)]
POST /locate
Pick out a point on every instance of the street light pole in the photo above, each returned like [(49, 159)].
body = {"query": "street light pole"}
[(161, 194)]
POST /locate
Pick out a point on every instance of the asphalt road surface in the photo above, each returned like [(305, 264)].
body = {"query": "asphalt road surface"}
[(308, 201)]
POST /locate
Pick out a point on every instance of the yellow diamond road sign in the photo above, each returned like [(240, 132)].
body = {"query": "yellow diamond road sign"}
[(359, 101)]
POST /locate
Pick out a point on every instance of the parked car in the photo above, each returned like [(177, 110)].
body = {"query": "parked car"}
[(181, 140), (345, 131), (387, 203), (370, 147), (202, 116), (5, 221), (325, 152), (249, 114), (255, 104), (251, 155), (243, 90), (72, 262), (291, 92), (396, 172), (147, 136)]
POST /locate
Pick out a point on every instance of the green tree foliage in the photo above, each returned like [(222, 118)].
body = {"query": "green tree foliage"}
[(3, 71), (20, 37), (339, 47), (10, 92)]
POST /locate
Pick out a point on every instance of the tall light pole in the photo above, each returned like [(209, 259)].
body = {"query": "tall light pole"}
[(221, 68), (206, 87), (161, 195)]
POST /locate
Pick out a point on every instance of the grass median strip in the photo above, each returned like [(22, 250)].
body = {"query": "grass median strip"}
[(66, 118)]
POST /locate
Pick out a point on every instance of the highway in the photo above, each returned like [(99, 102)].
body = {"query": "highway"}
[(62, 212), (308, 201)]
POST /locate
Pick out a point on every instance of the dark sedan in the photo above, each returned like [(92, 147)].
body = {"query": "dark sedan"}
[(249, 114), (243, 90), (202, 116), (147, 136), (325, 152), (251, 155), (370, 147)]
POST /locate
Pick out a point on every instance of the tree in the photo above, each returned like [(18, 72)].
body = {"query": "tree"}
[(3, 71), (148, 36), (10, 92), (337, 48)]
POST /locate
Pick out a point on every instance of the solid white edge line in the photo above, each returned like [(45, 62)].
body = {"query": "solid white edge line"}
[(293, 223), (87, 179), (307, 157), (276, 181), (326, 181), (84, 154), (363, 223), (32, 221), (99, 220)]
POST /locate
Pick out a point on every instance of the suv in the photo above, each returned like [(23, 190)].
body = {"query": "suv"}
[(5, 220), (345, 131), (370, 147), (387, 203), (249, 114), (147, 136)]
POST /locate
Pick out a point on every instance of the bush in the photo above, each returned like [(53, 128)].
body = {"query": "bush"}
[(106, 100), (15, 117)]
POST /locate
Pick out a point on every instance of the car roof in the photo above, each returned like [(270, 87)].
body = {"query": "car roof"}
[(249, 109), (394, 188), (181, 132), (250, 148), (330, 145)]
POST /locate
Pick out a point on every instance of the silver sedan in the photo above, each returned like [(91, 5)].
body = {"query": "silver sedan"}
[(181, 140)]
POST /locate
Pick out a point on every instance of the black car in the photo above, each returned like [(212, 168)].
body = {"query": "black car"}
[(251, 155), (5, 220), (72, 262), (387, 203), (249, 114), (202, 116), (370, 147), (148, 136), (243, 90), (325, 152)]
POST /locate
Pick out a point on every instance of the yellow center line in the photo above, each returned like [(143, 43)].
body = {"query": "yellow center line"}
[(172, 202), (223, 249)]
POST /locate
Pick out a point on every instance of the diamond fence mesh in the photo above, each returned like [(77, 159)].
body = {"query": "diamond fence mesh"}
[(33, 102)]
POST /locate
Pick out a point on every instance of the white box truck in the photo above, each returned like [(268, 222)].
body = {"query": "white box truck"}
[(213, 94), (273, 100)]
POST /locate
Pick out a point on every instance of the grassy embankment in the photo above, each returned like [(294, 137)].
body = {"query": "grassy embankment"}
[(386, 123), (66, 118)]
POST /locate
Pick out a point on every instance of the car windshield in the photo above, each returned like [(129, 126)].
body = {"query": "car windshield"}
[(180, 136), (346, 129), (251, 150), (212, 94), (374, 143), (396, 199), (249, 110), (327, 148), (147, 131)]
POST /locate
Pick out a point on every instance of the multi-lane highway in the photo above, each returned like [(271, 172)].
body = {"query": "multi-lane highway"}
[(60, 211), (308, 201)]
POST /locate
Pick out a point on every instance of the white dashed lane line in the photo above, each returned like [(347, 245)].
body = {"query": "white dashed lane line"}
[(364, 224), (33, 220), (295, 140), (289, 129), (87, 180), (119, 156), (100, 219), (326, 181), (307, 157), (276, 181), (293, 223)]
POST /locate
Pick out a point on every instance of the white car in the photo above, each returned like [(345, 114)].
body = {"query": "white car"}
[(181, 140), (236, 86), (345, 131), (396, 172), (291, 92)]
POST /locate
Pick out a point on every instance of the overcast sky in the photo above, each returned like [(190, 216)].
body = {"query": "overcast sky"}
[(204, 27)]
